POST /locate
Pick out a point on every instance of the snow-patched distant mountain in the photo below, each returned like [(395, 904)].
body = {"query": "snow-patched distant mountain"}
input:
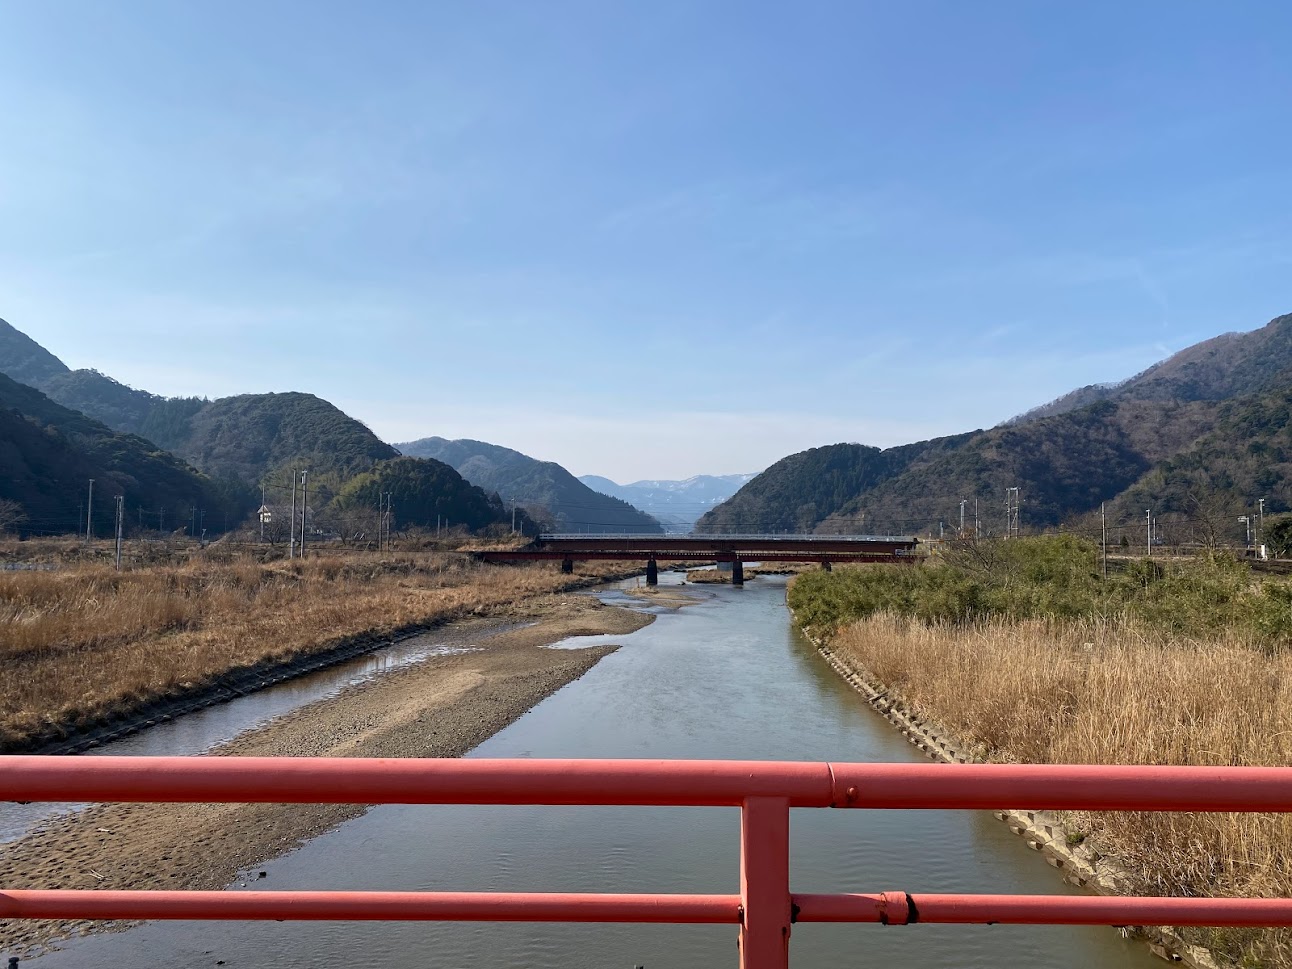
[(675, 504)]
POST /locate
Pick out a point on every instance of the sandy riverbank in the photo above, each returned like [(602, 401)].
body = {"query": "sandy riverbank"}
[(442, 707), (670, 597)]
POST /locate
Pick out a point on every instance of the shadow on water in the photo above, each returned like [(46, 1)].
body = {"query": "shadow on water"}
[(727, 678)]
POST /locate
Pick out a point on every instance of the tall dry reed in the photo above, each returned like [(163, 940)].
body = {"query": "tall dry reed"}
[(1115, 692), (86, 642)]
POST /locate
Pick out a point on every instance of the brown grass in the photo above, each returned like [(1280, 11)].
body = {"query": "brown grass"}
[(1115, 693), (86, 642)]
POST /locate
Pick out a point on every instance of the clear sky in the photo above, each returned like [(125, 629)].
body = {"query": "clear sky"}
[(643, 239)]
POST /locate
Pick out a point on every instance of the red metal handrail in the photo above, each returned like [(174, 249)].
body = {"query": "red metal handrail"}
[(765, 791)]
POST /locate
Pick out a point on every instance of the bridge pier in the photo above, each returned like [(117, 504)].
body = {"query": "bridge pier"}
[(567, 566), (737, 572), (652, 572)]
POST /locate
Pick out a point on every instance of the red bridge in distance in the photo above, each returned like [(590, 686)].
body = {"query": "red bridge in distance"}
[(736, 549)]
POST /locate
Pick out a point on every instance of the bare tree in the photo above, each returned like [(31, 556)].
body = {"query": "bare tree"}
[(11, 514)]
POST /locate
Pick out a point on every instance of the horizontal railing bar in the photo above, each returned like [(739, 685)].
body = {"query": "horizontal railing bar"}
[(893, 908), (688, 783), (899, 908), (371, 906), (696, 783)]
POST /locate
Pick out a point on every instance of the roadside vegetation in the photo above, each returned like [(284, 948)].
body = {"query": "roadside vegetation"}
[(1027, 654), (84, 643)]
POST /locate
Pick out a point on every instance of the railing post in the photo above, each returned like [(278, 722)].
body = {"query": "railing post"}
[(765, 883)]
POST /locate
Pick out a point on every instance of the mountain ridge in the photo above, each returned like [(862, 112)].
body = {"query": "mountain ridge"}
[(1088, 447), (570, 504)]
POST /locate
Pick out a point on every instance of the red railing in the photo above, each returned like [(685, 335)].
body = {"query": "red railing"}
[(764, 910)]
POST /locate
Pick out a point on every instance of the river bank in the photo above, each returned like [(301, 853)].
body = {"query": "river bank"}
[(440, 707), (1036, 692), (728, 677), (1063, 846), (88, 654)]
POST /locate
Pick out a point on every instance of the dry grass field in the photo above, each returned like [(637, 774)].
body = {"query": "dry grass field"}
[(83, 642), (1115, 692)]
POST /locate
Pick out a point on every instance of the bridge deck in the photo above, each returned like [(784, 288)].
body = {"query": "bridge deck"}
[(728, 548)]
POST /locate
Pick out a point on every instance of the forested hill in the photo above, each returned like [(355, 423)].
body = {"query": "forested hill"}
[(1227, 366), (425, 493), (1246, 455), (1207, 425), (1063, 466), (96, 395), (550, 492), (798, 493), (252, 434), (49, 453), (244, 439), (25, 360)]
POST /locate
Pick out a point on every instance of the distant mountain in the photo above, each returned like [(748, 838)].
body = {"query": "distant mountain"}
[(25, 360), (96, 395), (676, 504), (1226, 366), (544, 487), (1202, 428), (797, 493), (238, 440), (251, 435), (1246, 455), (49, 453), (1063, 466)]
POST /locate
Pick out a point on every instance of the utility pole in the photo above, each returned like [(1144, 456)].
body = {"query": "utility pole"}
[(1148, 516), (513, 514), (962, 517), (89, 513), (305, 508), (977, 530), (291, 542), (1011, 513), (1103, 527), (1260, 521), (261, 516), (121, 514)]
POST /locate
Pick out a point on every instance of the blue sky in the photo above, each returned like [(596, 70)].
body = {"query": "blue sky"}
[(644, 240)]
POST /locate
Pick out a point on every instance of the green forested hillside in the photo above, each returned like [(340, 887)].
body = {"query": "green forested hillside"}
[(1247, 455), (1063, 466), (423, 492), (122, 408), (550, 492), (797, 493), (49, 453), (25, 360), (252, 434), (1227, 366)]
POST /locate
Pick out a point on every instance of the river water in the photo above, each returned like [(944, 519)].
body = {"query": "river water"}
[(727, 678)]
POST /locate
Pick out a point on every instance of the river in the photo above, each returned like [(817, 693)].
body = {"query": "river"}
[(727, 678)]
